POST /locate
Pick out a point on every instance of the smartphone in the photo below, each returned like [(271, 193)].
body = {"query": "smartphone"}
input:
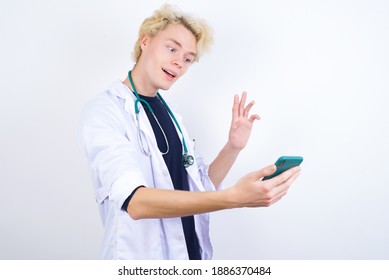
[(283, 164)]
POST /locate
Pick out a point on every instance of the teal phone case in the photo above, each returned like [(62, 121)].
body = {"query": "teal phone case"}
[(284, 163)]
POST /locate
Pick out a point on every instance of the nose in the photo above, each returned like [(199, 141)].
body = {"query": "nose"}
[(177, 62)]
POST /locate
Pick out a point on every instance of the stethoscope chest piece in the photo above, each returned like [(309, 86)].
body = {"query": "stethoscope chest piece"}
[(187, 160)]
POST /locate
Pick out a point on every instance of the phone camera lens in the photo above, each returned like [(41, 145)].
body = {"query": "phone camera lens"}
[(282, 163)]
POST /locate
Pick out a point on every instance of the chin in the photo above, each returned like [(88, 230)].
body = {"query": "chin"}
[(166, 86)]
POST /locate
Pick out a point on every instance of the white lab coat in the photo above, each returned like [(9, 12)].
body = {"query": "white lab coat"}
[(109, 139)]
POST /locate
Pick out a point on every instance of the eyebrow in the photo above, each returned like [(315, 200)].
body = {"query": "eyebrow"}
[(180, 45)]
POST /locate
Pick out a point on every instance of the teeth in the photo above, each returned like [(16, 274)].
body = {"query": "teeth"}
[(170, 73)]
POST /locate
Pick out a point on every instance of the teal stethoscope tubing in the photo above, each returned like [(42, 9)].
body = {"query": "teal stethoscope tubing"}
[(187, 159)]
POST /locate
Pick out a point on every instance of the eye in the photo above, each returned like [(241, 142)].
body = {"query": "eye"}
[(187, 60), (171, 49)]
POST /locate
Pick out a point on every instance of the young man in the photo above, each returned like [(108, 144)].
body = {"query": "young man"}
[(154, 193)]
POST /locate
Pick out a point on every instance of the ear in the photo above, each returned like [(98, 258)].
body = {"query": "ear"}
[(144, 40)]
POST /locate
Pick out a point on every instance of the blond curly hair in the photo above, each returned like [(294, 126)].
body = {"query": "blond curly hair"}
[(168, 14)]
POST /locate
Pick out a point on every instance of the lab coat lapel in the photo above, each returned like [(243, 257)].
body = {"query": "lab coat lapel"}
[(121, 90), (161, 173), (144, 124)]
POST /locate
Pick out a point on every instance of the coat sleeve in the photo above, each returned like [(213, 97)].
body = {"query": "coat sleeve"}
[(111, 154)]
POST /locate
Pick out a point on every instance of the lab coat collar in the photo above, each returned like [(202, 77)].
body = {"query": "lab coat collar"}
[(118, 88)]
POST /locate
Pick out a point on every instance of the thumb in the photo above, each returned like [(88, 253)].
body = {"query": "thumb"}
[(266, 171)]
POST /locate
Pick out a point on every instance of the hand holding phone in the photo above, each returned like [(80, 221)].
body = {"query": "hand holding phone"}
[(284, 163)]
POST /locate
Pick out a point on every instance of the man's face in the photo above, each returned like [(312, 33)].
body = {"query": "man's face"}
[(168, 55)]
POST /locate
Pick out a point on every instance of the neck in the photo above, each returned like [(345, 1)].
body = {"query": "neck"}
[(142, 86)]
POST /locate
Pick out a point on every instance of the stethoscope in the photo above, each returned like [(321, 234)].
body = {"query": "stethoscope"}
[(187, 160)]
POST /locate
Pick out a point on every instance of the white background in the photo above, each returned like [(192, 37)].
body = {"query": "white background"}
[(318, 71)]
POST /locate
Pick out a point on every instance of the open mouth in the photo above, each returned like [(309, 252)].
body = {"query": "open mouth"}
[(169, 73)]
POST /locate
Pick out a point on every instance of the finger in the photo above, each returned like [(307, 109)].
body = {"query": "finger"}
[(292, 179), (246, 110), (276, 198), (254, 117), (280, 191), (266, 171), (284, 186), (287, 176), (235, 107), (242, 103)]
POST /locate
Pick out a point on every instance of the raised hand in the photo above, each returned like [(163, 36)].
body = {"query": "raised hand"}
[(242, 122)]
